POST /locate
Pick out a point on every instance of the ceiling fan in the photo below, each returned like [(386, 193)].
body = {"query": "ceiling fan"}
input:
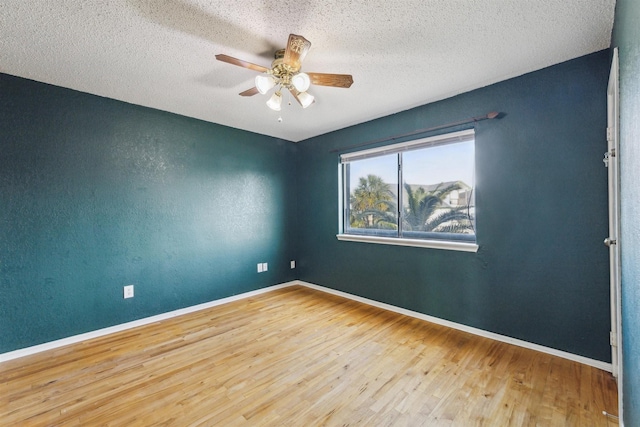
[(285, 74)]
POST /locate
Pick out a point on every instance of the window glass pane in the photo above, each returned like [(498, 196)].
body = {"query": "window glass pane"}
[(372, 188), (437, 198)]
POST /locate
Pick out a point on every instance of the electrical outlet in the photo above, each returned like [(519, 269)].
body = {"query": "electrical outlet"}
[(265, 266), (293, 265), (128, 291), (259, 267)]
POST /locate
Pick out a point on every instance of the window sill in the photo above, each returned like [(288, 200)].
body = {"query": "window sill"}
[(434, 244)]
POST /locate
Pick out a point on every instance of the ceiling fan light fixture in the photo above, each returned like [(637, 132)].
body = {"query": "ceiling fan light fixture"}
[(264, 82), (285, 74), (305, 99), (275, 102), (301, 82)]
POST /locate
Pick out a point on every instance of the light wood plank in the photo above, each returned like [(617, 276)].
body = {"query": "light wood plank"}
[(297, 356)]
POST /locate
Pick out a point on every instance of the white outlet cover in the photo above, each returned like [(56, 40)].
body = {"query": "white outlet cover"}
[(260, 267), (265, 266), (293, 265), (128, 291)]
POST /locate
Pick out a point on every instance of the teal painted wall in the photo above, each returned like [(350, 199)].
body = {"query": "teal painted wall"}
[(626, 36), (96, 194), (541, 274)]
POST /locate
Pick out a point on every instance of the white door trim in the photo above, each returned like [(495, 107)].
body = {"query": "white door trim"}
[(612, 158)]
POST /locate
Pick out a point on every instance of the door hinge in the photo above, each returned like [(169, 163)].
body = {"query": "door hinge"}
[(612, 339)]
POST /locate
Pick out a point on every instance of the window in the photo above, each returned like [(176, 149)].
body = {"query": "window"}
[(416, 193)]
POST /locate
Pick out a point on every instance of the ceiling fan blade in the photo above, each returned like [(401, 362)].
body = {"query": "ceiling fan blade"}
[(335, 80), (297, 48), (241, 63), (295, 94), (249, 92)]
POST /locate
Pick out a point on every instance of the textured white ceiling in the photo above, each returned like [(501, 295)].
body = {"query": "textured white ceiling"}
[(160, 53)]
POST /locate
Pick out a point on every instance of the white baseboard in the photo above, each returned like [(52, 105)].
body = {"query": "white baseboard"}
[(124, 326), (475, 331), (134, 324)]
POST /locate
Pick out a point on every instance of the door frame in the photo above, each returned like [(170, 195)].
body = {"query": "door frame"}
[(612, 159)]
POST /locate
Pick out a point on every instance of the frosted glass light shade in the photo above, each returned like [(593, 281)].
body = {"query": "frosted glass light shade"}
[(301, 82), (275, 101), (305, 99), (264, 82)]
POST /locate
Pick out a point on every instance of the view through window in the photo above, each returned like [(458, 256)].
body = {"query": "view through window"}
[(421, 189)]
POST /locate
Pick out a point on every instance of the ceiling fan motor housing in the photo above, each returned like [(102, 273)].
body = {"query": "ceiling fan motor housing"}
[(283, 72)]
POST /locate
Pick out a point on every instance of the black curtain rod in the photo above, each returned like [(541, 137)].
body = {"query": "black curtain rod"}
[(491, 115)]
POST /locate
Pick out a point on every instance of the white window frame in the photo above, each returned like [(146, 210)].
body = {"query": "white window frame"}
[(433, 141)]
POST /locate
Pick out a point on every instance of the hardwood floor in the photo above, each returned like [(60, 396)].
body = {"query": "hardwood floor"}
[(300, 357)]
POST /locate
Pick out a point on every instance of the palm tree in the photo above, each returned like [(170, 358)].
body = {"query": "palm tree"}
[(427, 210), (373, 204)]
